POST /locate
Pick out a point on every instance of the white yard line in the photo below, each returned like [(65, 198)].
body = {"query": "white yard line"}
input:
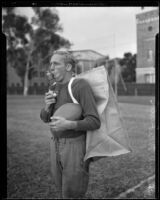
[(123, 194)]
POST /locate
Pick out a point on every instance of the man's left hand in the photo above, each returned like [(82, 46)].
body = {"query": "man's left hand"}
[(62, 124)]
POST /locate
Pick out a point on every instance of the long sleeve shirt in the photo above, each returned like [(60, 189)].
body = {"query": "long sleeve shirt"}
[(83, 93)]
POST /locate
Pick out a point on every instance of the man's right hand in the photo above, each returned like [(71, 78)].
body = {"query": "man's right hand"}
[(49, 99)]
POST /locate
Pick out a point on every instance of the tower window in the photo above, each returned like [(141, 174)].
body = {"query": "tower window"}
[(150, 28), (150, 55)]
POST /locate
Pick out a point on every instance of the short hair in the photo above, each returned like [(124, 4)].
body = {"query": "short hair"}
[(68, 58)]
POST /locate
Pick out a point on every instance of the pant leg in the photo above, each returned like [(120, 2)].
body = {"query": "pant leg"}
[(75, 175), (56, 169)]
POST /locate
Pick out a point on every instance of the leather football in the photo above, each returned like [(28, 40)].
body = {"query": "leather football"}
[(69, 111)]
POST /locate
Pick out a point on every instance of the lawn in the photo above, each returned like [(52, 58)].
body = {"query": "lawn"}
[(28, 164)]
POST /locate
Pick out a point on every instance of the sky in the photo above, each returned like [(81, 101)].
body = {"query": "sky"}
[(108, 30)]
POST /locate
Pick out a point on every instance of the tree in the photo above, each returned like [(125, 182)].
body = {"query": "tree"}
[(128, 65), (30, 44)]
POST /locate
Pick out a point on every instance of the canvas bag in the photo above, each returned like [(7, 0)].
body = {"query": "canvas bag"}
[(111, 138)]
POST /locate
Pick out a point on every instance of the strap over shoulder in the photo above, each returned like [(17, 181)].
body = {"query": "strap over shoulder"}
[(70, 90)]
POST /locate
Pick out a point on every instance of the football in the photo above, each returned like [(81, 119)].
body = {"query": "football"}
[(69, 111)]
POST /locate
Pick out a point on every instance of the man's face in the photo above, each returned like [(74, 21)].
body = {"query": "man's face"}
[(58, 67)]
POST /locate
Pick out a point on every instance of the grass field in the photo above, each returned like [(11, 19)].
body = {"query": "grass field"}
[(142, 100), (28, 164)]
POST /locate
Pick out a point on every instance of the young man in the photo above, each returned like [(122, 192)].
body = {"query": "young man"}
[(68, 144)]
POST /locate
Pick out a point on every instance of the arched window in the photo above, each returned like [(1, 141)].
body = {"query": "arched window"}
[(42, 74)]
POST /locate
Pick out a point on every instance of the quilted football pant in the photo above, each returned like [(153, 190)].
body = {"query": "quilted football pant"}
[(70, 173)]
